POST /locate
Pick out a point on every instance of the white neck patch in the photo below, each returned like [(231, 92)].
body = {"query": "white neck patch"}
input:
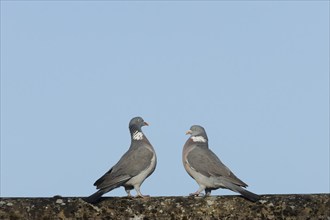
[(137, 136), (198, 139)]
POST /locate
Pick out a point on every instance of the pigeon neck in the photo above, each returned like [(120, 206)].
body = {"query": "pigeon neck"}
[(199, 139), (136, 133)]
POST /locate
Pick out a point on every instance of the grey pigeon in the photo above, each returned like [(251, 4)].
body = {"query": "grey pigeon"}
[(207, 169), (133, 168)]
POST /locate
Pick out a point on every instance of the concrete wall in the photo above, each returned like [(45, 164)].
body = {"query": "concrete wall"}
[(311, 206)]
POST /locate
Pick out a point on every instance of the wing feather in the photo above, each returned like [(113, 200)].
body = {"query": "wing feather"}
[(130, 164), (204, 161)]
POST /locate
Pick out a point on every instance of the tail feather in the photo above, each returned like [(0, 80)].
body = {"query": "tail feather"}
[(249, 195), (245, 193), (94, 198)]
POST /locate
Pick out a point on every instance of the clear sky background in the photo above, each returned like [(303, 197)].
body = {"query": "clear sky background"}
[(255, 74)]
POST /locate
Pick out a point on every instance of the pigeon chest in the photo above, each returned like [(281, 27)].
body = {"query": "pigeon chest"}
[(204, 181)]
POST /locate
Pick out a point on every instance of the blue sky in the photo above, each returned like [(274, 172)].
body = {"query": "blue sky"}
[(254, 74)]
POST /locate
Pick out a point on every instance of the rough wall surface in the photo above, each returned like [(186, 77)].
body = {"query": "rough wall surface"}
[(311, 206)]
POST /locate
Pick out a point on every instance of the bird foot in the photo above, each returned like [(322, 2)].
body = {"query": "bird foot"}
[(196, 194), (142, 196)]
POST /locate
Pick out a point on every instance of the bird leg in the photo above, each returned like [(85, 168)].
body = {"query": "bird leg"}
[(139, 194), (128, 189), (207, 192), (198, 192), (128, 193)]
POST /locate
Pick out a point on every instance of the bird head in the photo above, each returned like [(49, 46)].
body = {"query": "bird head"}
[(197, 131), (137, 123)]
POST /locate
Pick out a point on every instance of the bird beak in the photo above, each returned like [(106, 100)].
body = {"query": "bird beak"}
[(146, 123), (189, 132)]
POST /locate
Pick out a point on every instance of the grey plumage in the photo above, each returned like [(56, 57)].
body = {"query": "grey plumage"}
[(133, 168), (207, 169)]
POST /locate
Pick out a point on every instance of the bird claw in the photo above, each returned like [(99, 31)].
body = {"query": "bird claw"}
[(196, 194), (142, 196)]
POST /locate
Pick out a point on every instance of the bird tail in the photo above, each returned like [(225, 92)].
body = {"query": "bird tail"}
[(245, 193), (94, 198)]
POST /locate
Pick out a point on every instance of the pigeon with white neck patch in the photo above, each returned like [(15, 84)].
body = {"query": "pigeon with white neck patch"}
[(133, 168), (207, 169)]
